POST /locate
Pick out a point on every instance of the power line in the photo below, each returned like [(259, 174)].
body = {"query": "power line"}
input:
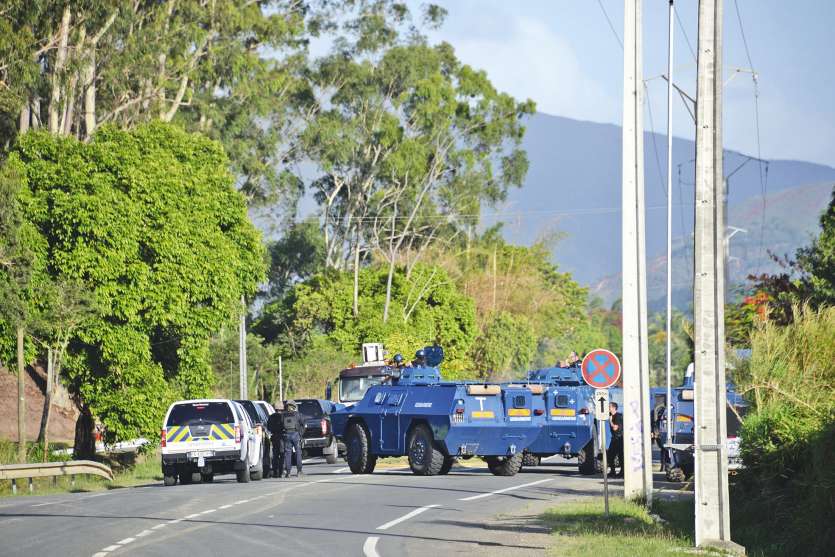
[(763, 172), (612, 27), (654, 144), (684, 32)]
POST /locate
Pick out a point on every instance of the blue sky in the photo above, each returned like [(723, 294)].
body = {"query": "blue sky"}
[(563, 55)]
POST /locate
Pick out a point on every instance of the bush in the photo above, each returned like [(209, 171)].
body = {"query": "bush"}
[(788, 440)]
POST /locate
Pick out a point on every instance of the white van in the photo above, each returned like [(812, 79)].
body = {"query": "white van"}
[(201, 438)]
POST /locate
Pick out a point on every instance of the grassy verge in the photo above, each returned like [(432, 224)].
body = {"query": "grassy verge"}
[(579, 528), (128, 470)]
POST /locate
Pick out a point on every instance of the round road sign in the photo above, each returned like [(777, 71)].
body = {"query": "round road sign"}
[(601, 368)]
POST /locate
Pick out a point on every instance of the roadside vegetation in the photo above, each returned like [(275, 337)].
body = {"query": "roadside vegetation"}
[(580, 528)]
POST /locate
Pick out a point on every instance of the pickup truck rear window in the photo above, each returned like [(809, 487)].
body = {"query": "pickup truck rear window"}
[(310, 409), (253, 412), (201, 413)]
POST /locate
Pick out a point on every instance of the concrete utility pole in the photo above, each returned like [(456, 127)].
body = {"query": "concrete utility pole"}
[(669, 340), (242, 352), (637, 467), (711, 452)]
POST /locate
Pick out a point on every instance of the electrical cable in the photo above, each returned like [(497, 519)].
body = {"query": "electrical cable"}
[(612, 27)]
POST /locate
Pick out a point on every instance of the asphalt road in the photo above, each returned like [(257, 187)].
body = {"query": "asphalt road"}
[(326, 512)]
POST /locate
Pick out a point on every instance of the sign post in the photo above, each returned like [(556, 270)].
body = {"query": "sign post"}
[(601, 412), (601, 369)]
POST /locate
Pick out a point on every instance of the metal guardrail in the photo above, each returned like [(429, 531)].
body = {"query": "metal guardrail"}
[(52, 469)]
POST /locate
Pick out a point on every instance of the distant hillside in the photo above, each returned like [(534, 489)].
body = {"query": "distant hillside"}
[(573, 187)]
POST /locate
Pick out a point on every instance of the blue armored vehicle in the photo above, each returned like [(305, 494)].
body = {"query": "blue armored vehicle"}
[(568, 425), (433, 422), (677, 457)]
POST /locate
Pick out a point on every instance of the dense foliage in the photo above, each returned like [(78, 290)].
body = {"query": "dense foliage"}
[(150, 223), (788, 439)]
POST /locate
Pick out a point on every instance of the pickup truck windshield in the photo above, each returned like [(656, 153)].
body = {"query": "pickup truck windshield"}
[(352, 389), (201, 413)]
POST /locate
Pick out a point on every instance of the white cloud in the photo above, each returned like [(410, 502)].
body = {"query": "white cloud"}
[(529, 60)]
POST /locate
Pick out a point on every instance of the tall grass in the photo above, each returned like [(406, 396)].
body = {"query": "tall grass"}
[(785, 498)]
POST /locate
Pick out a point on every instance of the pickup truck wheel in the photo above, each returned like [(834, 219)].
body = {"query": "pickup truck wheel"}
[(424, 458), (586, 459), (504, 465), (242, 475), (357, 449), (529, 459), (168, 481), (330, 457), (207, 478), (449, 461)]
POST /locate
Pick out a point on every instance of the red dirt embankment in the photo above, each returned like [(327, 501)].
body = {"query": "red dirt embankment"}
[(61, 421)]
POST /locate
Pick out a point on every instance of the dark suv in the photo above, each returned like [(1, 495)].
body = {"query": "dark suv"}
[(318, 438), (259, 419)]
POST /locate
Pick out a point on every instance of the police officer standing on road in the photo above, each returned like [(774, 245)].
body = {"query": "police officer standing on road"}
[(616, 445), (293, 427), (276, 427)]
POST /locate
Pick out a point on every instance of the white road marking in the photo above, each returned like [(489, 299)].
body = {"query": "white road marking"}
[(125, 541), (100, 554), (45, 504), (505, 490), (111, 548), (175, 521), (209, 511), (192, 515), (144, 533), (369, 548), (340, 470), (222, 507), (406, 517), (158, 526)]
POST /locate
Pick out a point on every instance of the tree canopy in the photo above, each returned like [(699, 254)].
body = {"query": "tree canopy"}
[(149, 221)]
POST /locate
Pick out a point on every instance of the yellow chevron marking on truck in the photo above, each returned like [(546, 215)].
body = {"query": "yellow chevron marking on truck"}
[(483, 414), (223, 431), (518, 412), (562, 412), (181, 434)]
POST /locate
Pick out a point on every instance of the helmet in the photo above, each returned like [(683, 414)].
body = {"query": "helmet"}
[(398, 358), (420, 354), (290, 405)]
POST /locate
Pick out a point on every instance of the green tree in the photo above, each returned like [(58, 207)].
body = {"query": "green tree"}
[(428, 308), (505, 347), (818, 259), (407, 141), (150, 222), (295, 257)]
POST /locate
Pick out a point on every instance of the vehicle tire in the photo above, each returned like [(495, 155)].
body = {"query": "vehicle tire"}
[(587, 460), (331, 458), (168, 481), (207, 478), (196, 477), (449, 461), (185, 478), (504, 465), (424, 458), (243, 475), (257, 473), (358, 449), (676, 475), (529, 459)]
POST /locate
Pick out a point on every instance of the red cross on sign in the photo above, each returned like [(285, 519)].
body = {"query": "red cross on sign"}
[(601, 368)]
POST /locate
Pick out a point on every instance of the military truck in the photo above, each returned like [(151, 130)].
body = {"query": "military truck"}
[(434, 422), (354, 381)]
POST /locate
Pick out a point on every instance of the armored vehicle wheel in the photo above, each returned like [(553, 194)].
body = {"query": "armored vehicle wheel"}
[(207, 478), (529, 459), (504, 465), (168, 481), (357, 453), (675, 475), (424, 458), (449, 461), (243, 475), (587, 463)]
